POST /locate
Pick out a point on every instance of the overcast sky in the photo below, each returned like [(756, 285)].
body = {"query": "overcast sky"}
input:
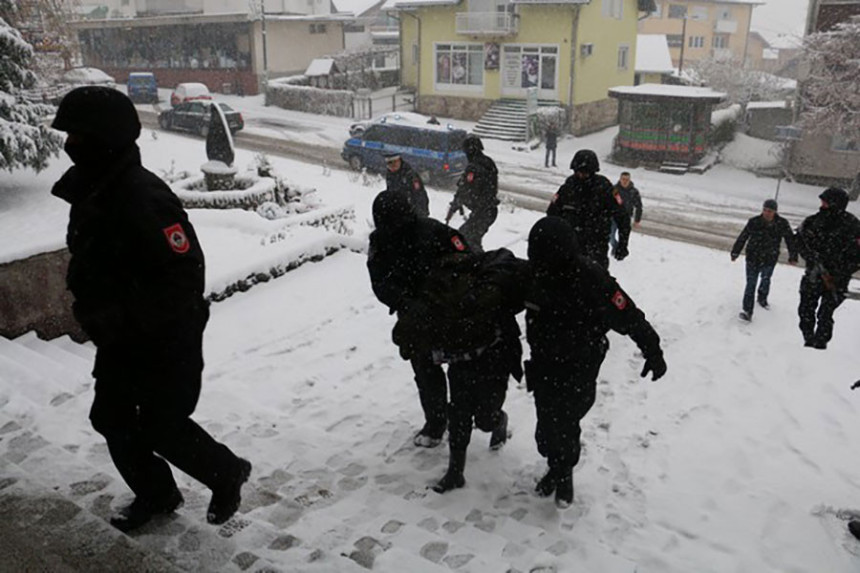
[(780, 21)]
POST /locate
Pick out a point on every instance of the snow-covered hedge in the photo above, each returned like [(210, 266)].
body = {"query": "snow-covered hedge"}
[(252, 191), (333, 219), (309, 99)]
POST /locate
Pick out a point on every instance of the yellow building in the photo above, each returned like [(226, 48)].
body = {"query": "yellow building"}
[(461, 56), (702, 29)]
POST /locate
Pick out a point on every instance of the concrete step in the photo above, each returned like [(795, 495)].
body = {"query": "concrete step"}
[(74, 361), (42, 530), (39, 363), (87, 350)]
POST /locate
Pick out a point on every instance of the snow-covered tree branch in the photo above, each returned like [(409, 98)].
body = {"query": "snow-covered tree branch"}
[(831, 92), (741, 85), (25, 141)]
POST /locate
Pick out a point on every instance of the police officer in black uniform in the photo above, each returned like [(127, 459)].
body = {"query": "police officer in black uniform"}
[(477, 189), (829, 242), (571, 304), (137, 276), (586, 201), (403, 249), (402, 178)]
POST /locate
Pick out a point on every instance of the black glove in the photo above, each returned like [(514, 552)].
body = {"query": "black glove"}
[(621, 252), (735, 256), (656, 365), (855, 385)]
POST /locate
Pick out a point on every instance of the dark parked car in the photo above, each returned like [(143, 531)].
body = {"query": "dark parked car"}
[(194, 116)]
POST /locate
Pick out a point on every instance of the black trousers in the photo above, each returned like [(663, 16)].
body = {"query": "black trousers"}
[(817, 305), (564, 392), (433, 393), (478, 390), (477, 225), (144, 397)]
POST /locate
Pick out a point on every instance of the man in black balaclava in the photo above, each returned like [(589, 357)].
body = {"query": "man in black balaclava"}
[(571, 303), (586, 201), (477, 190), (829, 242), (137, 275)]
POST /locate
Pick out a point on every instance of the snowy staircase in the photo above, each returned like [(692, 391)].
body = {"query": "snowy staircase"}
[(675, 167), (58, 488), (507, 119)]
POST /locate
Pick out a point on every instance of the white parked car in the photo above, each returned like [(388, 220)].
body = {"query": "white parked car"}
[(396, 117), (189, 91), (87, 77)]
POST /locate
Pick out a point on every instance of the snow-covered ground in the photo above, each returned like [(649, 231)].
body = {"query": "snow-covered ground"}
[(739, 459)]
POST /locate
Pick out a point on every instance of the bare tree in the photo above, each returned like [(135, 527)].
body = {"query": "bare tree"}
[(741, 85), (831, 91)]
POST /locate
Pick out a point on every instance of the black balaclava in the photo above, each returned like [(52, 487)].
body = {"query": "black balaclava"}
[(552, 245), (392, 210)]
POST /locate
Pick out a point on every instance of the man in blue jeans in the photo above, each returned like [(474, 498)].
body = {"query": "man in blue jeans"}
[(764, 233)]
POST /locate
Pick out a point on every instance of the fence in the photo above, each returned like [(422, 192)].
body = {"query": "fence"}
[(367, 105)]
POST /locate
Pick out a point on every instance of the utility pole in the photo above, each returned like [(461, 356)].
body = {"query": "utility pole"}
[(265, 54), (683, 43)]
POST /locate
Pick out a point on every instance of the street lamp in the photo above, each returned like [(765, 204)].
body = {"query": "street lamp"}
[(683, 43)]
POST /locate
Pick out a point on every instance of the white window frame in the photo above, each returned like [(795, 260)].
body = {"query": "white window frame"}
[(658, 10), (724, 14), (720, 42), (698, 13), (623, 61), (841, 144), (669, 11), (460, 47), (613, 9), (696, 42)]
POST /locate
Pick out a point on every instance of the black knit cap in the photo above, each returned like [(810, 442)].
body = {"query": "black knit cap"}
[(552, 243), (770, 204), (392, 209), (101, 113), (835, 198)]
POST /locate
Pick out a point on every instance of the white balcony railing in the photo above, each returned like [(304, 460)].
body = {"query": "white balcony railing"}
[(489, 23), (726, 27)]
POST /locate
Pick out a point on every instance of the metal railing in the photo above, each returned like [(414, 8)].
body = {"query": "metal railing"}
[(492, 23)]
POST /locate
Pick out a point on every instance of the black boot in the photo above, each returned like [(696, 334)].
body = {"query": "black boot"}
[(546, 486), (226, 499), (453, 478), (141, 511), (854, 528), (564, 489), (500, 434)]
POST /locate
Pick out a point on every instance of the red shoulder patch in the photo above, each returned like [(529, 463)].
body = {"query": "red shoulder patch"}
[(619, 300), (416, 184), (470, 176), (458, 244), (177, 239)]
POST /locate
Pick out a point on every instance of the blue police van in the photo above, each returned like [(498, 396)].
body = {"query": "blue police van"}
[(434, 151), (142, 87)]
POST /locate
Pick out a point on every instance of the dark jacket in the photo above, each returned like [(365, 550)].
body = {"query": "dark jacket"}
[(406, 180), (630, 199), (589, 206), (569, 312), (764, 238), (136, 268), (400, 259), (831, 239), (478, 186), (551, 139)]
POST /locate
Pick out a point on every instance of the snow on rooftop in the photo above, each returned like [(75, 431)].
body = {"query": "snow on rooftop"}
[(398, 4), (356, 7), (652, 54), (769, 104), (320, 67), (667, 91)]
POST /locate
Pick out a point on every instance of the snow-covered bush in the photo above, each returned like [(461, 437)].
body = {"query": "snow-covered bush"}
[(24, 139)]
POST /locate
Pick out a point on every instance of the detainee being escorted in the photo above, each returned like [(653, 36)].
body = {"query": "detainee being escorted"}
[(626, 193), (762, 236), (137, 276), (571, 303)]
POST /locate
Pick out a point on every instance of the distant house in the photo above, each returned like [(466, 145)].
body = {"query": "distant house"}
[(763, 117), (461, 57), (221, 46), (321, 72), (653, 60), (823, 158), (702, 29)]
